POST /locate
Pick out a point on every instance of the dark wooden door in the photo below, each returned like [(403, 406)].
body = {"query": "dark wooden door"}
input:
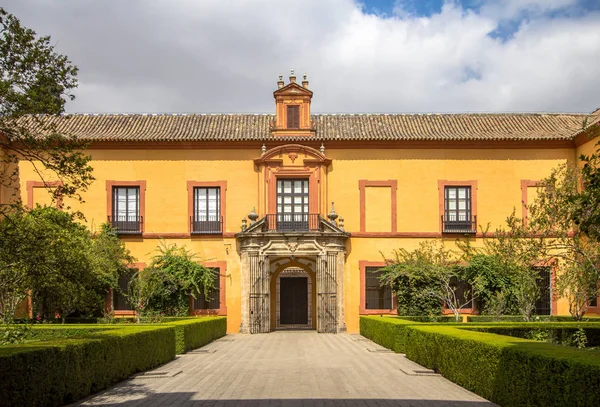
[(293, 300)]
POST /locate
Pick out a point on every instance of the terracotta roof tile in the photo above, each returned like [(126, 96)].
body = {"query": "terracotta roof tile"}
[(246, 127)]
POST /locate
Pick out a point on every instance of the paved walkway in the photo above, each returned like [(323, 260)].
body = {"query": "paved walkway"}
[(288, 369)]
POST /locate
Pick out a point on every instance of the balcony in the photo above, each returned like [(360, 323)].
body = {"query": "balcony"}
[(451, 225), (208, 226), (127, 225), (292, 222)]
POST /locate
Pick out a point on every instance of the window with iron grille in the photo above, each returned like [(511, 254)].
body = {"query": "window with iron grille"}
[(543, 306), (457, 209), (293, 117), (120, 301), (463, 292), (214, 298), (593, 302), (126, 209), (376, 296), (207, 210)]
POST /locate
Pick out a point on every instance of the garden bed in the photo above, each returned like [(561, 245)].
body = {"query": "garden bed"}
[(62, 363), (504, 369)]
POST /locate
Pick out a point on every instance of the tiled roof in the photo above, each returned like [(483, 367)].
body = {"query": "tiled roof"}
[(245, 127)]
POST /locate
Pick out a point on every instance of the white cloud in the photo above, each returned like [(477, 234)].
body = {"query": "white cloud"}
[(225, 55)]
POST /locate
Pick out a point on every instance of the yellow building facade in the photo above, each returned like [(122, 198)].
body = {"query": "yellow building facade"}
[(294, 209)]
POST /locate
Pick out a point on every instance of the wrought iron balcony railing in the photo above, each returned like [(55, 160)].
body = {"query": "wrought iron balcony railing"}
[(212, 225), (452, 225), (292, 222), (127, 225)]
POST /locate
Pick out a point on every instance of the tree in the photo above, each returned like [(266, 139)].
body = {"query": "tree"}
[(45, 253), (174, 275), (585, 203), (575, 250), (35, 83), (427, 278)]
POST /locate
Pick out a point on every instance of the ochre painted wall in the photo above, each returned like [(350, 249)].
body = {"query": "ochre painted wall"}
[(416, 172)]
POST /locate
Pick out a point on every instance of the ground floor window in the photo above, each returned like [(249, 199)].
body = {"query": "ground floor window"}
[(543, 305), (120, 300), (376, 296), (213, 301)]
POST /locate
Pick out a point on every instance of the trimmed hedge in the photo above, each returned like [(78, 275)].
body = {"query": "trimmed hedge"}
[(437, 318), (519, 318), (60, 371), (558, 332), (506, 370), (192, 333)]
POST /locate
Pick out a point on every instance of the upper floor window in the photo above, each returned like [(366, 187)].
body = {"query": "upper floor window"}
[(207, 210), (126, 216), (292, 205), (457, 210), (376, 295), (293, 117)]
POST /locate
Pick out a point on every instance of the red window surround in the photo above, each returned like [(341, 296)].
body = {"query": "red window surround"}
[(222, 265), (222, 185), (442, 184), (109, 197), (362, 265)]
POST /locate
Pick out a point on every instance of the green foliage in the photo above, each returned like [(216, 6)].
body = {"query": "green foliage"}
[(502, 270), (576, 256), (426, 278), (192, 333), (579, 338), (60, 371), (65, 268), (34, 85), (505, 370), (586, 203), (166, 285), (14, 333)]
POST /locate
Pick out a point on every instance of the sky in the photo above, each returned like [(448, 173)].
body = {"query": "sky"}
[(367, 56)]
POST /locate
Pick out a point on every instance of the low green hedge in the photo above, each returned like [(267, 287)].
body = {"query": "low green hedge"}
[(556, 332), (192, 333), (388, 332), (519, 318), (59, 371), (506, 370), (436, 318)]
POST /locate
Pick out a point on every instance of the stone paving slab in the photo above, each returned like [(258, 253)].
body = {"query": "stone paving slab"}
[(300, 368)]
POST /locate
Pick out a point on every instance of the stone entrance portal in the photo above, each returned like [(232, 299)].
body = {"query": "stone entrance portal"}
[(292, 279)]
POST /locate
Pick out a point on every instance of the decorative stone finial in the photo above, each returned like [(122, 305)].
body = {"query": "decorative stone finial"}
[(332, 215), (253, 216), (263, 149), (280, 77), (341, 224), (244, 224), (322, 149), (304, 75), (292, 72)]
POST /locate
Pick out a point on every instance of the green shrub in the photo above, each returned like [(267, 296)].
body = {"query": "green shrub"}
[(60, 371), (562, 333), (508, 371), (192, 333), (388, 332), (432, 318)]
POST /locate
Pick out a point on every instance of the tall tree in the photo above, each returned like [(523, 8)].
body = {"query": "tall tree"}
[(35, 84)]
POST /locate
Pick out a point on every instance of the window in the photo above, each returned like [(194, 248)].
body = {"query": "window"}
[(457, 210), (206, 217), (293, 117), (543, 306), (593, 302), (214, 300), (126, 209), (120, 302), (292, 204), (376, 296)]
